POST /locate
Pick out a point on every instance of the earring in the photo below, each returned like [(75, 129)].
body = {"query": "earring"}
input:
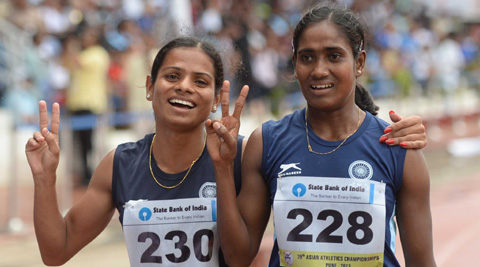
[(214, 108), (359, 71), (148, 95)]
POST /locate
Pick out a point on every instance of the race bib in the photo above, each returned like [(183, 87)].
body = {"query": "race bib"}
[(181, 232), (329, 221)]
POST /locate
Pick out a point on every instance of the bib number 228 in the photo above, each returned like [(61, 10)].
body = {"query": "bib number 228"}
[(359, 221)]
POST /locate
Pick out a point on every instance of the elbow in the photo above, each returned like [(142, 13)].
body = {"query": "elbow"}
[(238, 262), (238, 259), (53, 259), (52, 262)]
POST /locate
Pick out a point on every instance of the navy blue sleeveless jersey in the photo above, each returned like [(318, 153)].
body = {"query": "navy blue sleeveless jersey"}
[(132, 179), (285, 142)]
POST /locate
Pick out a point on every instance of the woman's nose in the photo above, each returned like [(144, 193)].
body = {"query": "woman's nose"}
[(320, 70), (184, 86)]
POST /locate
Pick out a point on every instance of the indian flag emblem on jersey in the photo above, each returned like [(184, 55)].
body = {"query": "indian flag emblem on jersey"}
[(360, 170), (208, 190)]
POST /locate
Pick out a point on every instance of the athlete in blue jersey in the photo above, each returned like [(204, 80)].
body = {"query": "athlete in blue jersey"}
[(334, 190), (162, 185)]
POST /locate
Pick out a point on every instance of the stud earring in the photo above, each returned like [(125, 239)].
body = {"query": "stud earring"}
[(359, 71), (214, 108), (148, 95)]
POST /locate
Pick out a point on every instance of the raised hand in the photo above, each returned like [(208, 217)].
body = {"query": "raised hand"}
[(42, 150), (222, 134), (407, 132)]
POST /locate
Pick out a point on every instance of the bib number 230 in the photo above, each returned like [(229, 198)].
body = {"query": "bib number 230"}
[(180, 245), (359, 221)]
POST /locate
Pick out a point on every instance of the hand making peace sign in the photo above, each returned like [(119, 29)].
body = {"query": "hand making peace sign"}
[(222, 134), (42, 150)]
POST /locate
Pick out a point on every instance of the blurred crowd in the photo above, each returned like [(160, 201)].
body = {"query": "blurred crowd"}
[(93, 55)]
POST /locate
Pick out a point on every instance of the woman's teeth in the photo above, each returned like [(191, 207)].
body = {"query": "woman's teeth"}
[(182, 102), (322, 86)]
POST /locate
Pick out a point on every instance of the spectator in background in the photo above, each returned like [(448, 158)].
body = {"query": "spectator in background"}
[(21, 101), (117, 84), (471, 52), (422, 60), (26, 16), (237, 30), (265, 63), (449, 62), (3, 68), (129, 47), (55, 17), (88, 92), (35, 59)]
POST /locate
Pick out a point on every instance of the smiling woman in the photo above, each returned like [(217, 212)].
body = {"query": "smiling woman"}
[(333, 188), (163, 185), (184, 91)]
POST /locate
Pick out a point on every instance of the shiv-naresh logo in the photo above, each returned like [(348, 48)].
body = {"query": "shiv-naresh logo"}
[(289, 169)]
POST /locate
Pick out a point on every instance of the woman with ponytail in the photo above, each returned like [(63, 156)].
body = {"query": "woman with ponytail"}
[(334, 189)]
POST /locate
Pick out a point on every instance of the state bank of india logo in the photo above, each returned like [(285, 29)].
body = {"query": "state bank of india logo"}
[(208, 190), (360, 170), (299, 190), (289, 169), (145, 214)]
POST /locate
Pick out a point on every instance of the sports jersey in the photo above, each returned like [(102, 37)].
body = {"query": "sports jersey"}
[(336, 208), (158, 216)]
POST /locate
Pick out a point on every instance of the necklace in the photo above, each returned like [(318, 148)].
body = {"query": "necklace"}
[(184, 177), (326, 153)]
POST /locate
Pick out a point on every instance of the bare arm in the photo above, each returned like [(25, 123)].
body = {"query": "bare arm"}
[(254, 198), (407, 132), (240, 227), (242, 221), (413, 212), (60, 238)]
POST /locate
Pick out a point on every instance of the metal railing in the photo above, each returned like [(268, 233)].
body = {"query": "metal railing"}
[(13, 44)]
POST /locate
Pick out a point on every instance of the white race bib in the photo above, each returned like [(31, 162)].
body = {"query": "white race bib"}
[(329, 221), (181, 232)]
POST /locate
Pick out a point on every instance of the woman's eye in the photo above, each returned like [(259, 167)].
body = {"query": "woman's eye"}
[(307, 58), (201, 82), (335, 56), (171, 77)]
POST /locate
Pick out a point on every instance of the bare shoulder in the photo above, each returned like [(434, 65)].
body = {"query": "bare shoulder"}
[(415, 171), (102, 177), (254, 146)]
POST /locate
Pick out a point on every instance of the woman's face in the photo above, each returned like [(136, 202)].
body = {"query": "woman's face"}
[(325, 67), (184, 92)]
